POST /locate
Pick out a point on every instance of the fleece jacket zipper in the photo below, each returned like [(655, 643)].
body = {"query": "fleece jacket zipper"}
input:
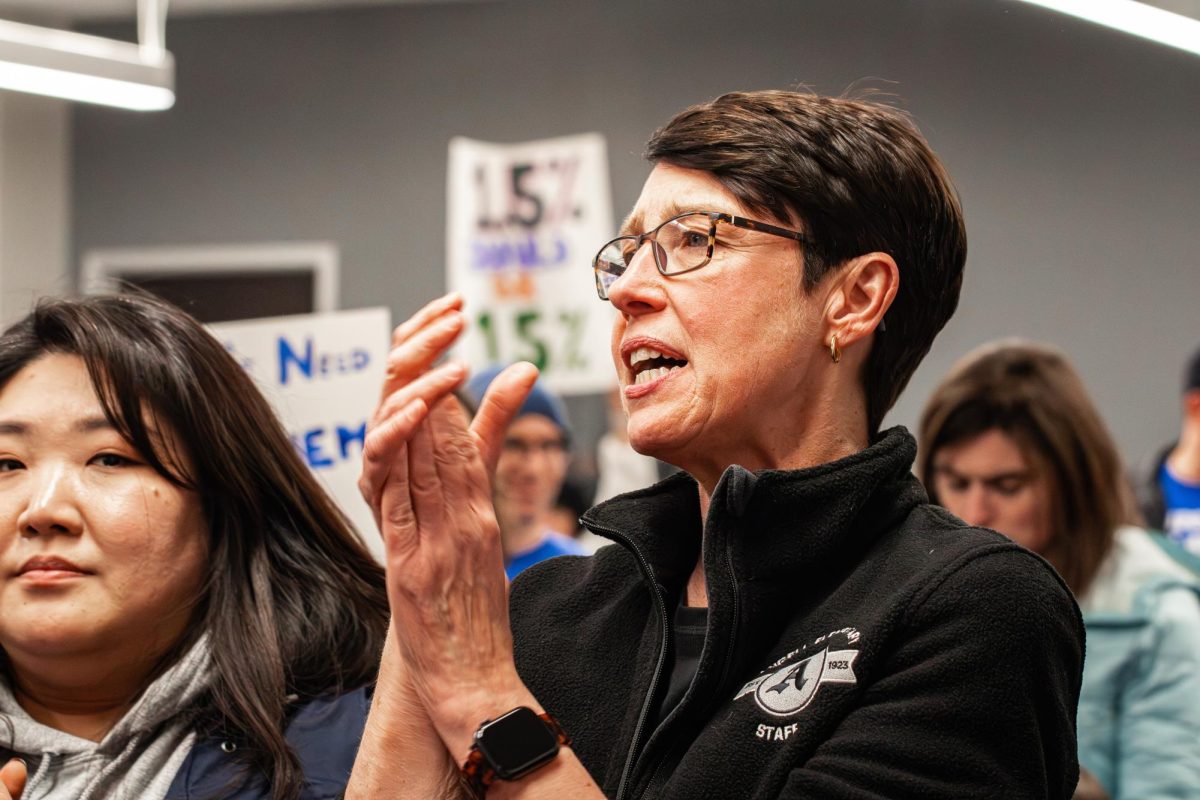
[(660, 605), (730, 648)]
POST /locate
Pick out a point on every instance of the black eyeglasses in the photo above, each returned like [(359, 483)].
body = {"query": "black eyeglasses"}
[(681, 244)]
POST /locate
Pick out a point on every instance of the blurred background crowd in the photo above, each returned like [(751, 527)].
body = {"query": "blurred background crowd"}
[(303, 168)]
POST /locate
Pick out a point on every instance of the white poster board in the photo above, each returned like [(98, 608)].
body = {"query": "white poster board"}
[(322, 373), (523, 223)]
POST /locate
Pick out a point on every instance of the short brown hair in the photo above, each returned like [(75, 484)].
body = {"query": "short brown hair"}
[(1031, 393), (859, 178)]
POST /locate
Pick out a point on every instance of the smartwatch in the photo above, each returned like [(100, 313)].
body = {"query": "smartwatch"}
[(510, 747)]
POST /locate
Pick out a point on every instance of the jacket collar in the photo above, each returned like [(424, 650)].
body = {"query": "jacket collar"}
[(772, 526)]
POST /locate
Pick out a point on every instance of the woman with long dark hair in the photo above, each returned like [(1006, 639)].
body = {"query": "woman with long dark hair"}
[(1011, 441), (184, 612)]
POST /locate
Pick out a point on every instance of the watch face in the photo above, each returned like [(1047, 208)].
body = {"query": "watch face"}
[(516, 743)]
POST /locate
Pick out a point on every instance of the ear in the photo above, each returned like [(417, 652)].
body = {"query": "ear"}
[(859, 297)]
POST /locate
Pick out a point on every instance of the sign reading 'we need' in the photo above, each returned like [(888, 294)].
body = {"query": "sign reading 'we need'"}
[(322, 373)]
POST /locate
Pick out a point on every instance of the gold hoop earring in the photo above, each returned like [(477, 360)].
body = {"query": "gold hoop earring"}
[(835, 352)]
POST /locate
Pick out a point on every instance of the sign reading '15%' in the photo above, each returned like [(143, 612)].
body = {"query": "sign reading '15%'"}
[(524, 221), (538, 193)]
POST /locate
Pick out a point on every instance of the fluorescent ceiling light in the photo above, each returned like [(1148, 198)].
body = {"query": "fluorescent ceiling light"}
[(91, 69), (1139, 19)]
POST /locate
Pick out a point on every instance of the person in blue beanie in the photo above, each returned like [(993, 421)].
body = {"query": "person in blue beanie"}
[(529, 476)]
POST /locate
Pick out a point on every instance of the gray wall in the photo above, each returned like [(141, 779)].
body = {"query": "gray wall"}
[(1074, 147), (35, 201)]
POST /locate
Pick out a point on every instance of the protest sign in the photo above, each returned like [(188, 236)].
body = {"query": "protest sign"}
[(322, 373), (523, 222)]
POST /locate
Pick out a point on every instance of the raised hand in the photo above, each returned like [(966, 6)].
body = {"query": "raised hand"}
[(12, 779), (445, 569), (412, 384), (427, 475)]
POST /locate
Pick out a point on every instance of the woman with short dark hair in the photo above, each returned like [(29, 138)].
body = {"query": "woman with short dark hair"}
[(1010, 440), (184, 612), (786, 617)]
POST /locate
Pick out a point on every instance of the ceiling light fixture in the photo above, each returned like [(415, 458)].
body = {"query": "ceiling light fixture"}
[(92, 69), (1140, 19)]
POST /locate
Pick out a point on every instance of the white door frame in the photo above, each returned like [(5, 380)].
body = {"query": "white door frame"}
[(102, 269)]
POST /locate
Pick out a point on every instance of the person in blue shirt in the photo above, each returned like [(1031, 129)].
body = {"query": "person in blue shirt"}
[(529, 476), (1168, 485)]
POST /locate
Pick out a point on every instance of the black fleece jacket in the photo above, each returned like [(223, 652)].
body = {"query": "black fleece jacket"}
[(861, 643)]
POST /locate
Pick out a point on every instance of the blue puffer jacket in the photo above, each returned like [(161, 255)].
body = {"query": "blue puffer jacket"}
[(324, 734), (1139, 707)]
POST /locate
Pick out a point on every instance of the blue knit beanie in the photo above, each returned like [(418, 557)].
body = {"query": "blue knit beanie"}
[(540, 399)]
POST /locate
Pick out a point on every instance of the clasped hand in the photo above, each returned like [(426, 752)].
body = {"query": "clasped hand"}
[(427, 477)]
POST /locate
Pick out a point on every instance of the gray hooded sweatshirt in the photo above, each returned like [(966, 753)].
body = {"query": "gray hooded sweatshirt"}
[(136, 760)]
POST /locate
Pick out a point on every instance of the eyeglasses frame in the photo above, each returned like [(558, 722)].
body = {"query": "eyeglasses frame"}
[(714, 217)]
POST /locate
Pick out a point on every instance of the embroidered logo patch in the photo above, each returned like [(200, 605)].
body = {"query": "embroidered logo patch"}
[(790, 684)]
